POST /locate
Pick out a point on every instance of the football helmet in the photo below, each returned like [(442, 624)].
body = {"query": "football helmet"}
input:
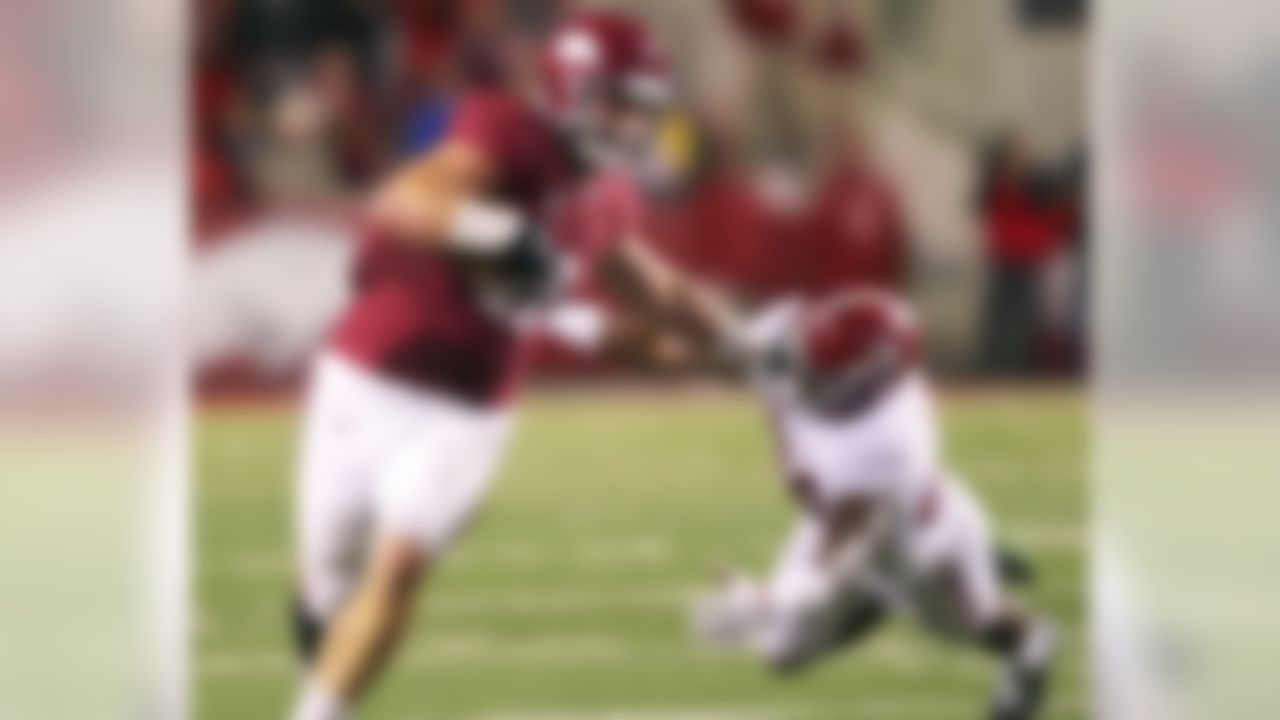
[(605, 84)]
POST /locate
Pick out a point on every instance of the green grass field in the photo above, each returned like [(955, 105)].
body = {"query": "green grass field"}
[(566, 600)]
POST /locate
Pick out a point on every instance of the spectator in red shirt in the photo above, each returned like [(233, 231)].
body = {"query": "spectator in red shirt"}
[(766, 21), (732, 227), (354, 123), (719, 227), (1022, 229), (219, 120), (855, 231)]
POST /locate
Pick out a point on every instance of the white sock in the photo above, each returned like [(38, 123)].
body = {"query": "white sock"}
[(319, 703), (1038, 647)]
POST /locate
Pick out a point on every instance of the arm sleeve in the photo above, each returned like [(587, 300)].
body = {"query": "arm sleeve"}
[(621, 209), (577, 324), (483, 121)]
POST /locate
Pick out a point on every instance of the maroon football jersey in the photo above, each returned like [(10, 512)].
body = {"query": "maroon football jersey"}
[(418, 316)]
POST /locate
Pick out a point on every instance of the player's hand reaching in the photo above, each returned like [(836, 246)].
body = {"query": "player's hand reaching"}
[(528, 270), (760, 342)]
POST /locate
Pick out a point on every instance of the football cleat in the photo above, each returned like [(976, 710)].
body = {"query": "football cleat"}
[(1023, 682), (729, 617)]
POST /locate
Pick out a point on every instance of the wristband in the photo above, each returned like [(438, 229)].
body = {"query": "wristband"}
[(484, 229), (579, 325)]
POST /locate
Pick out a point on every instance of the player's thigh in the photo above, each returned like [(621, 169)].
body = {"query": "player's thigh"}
[(956, 577), (810, 607), (801, 588), (797, 571), (338, 455), (439, 474), (799, 596)]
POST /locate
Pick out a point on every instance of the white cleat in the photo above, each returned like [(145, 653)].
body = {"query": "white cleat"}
[(729, 616)]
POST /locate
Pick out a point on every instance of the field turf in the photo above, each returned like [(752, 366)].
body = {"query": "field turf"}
[(566, 601)]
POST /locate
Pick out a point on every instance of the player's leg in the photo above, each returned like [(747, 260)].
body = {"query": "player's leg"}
[(818, 607), (425, 496), (854, 604), (367, 630), (1023, 642), (964, 594), (332, 499), (332, 542), (802, 637), (1025, 645), (802, 612)]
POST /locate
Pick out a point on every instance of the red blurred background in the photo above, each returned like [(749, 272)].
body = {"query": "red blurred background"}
[(298, 107)]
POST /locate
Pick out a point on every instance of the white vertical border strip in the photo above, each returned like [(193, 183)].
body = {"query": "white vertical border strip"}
[(170, 541), (170, 550), (176, 493), (1122, 684), (1186, 392)]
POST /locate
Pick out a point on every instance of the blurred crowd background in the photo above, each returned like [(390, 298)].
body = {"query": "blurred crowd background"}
[(929, 146)]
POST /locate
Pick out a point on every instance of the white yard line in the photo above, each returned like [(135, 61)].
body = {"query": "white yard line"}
[(447, 605), (879, 709), (727, 713), (865, 709), (904, 654), (608, 551)]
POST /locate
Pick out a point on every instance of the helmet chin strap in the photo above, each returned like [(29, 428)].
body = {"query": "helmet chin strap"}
[(848, 390)]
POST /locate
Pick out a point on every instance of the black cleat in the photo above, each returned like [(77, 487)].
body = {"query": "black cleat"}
[(308, 631), (1024, 682), (1031, 689)]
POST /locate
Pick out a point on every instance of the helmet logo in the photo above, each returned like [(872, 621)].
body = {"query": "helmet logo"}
[(578, 51)]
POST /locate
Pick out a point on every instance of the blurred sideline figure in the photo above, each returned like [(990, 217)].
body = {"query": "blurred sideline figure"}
[(885, 527), (410, 405), (855, 232), (1025, 227)]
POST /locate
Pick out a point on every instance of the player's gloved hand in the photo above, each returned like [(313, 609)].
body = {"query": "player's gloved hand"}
[(514, 263), (760, 343), (530, 268), (527, 272)]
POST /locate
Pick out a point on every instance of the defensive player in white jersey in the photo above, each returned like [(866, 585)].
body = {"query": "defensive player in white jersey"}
[(885, 527)]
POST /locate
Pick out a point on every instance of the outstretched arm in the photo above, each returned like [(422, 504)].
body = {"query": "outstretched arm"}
[(589, 328), (665, 306)]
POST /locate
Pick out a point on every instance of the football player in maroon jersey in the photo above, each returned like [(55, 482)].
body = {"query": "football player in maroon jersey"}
[(409, 404)]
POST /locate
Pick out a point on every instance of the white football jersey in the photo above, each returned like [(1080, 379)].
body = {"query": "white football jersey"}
[(886, 450)]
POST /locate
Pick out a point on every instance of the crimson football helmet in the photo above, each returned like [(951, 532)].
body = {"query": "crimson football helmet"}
[(605, 82), (849, 347)]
